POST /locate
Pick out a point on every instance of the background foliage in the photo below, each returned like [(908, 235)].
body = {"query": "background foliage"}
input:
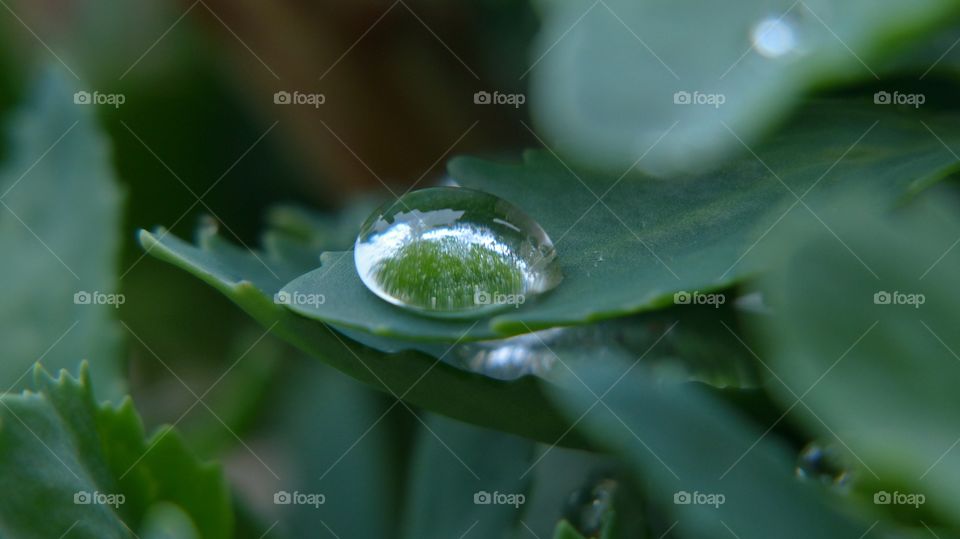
[(818, 202)]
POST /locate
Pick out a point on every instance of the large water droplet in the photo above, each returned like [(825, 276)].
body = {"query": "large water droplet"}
[(454, 252), (773, 37), (822, 463)]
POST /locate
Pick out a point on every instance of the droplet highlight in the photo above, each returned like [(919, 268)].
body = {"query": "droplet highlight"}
[(455, 252), (773, 37)]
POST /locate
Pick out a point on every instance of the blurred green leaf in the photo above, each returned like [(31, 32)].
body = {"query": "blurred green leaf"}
[(461, 480), (649, 238), (167, 521), (605, 73), (566, 531), (60, 451), (59, 230), (682, 443), (869, 361), (517, 407), (334, 436)]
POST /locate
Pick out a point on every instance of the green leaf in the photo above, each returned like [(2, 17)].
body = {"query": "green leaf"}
[(334, 434), (421, 380), (677, 439), (565, 531), (59, 229), (167, 521), (651, 238), (606, 73), (462, 478), (877, 378), (58, 448)]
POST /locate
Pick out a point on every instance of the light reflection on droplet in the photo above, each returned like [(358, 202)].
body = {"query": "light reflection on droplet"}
[(773, 37)]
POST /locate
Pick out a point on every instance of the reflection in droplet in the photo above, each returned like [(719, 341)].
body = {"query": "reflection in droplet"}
[(507, 359), (773, 37), (822, 463), (537, 353), (447, 251)]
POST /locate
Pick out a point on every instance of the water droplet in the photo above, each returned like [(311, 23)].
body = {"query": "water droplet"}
[(507, 359), (587, 507), (773, 37), (454, 252), (537, 353), (822, 463)]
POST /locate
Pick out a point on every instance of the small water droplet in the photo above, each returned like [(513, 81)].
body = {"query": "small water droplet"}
[(773, 37), (507, 359), (454, 252), (587, 507), (822, 463)]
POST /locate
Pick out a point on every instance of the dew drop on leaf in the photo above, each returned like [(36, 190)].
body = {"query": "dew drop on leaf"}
[(822, 463), (454, 252)]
